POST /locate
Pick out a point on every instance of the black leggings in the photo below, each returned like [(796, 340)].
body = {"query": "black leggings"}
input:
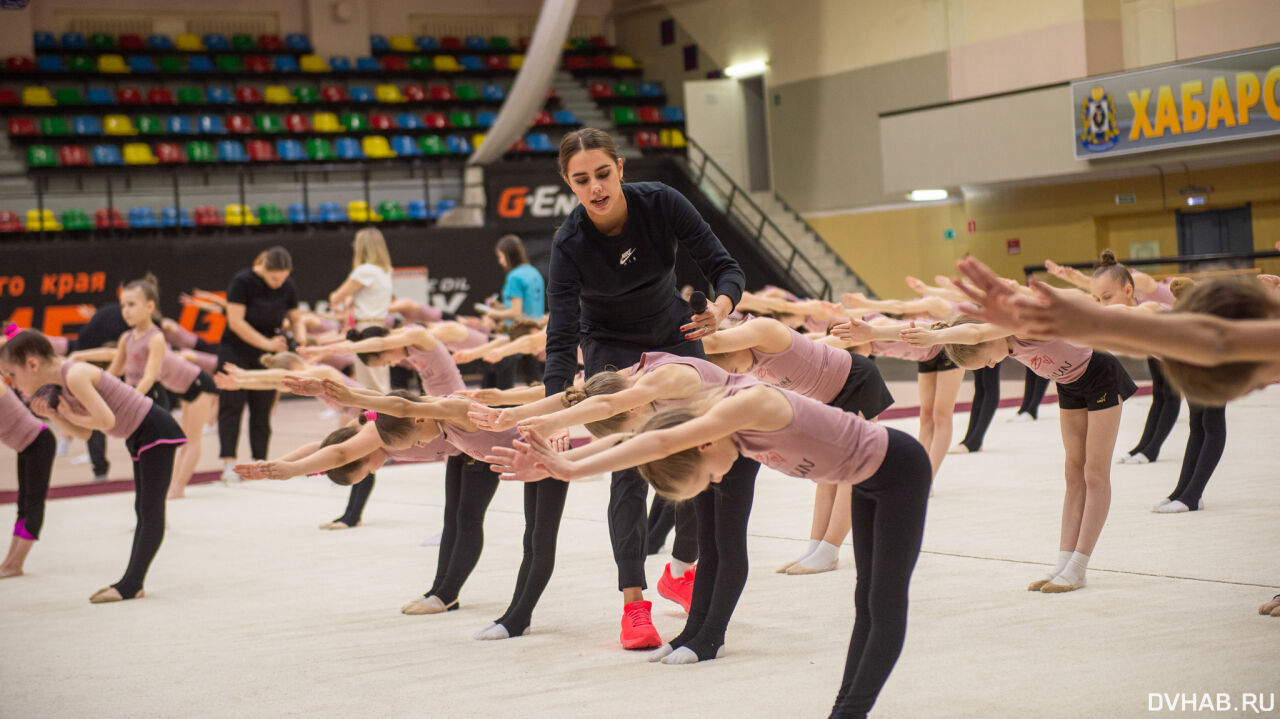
[(231, 406), (662, 519), (35, 463), (722, 512), (356, 501), (1205, 444), (1033, 390), (151, 473), (543, 507), (97, 443), (986, 398), (629, 528), (888, 526), (468, 488), (1166, 403)]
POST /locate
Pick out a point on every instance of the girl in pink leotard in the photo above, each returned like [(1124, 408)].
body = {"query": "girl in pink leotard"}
[(36, 446)]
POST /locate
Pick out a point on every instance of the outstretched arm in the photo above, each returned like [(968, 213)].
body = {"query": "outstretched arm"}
[(1068, 274)]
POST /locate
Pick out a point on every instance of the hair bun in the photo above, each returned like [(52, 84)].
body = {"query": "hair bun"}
[(573, 395), (353, 335), (1180, 285), (1108, 258)]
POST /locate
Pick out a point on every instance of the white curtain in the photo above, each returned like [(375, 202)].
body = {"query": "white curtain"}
[(529, 91)]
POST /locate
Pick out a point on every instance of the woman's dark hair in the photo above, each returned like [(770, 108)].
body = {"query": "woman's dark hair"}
[(349, 473), (355, 335), (1107, 266), (276, 259), (587, 138), (27, 343), (394, 430), (512, 250)]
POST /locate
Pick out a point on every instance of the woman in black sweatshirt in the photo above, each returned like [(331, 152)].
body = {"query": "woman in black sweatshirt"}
[(612, 291)]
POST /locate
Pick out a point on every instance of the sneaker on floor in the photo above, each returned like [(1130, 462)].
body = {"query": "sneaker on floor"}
[(1124, 458), (1138, 458), (64, 448), (1021, 417), (229, 475), (638, 631), (679, 590), (81, 459), (99, 478), (433, 540)]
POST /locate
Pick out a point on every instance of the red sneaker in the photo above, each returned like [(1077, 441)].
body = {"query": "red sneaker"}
[(638, 631), (679, 590)]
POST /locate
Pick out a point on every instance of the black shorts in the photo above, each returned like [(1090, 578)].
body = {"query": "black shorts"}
[(201, 384), (864, 391), (1104, 384), (941, 363), (157, 428)]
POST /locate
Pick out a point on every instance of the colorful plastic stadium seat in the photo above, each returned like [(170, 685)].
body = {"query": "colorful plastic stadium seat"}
[(305, 94), (169, 153), (111, 63), (354, 122), (388, 94), (444, 206), (358, 211), (600, 89), (229, 63), (565, 117), (404, 146), (248, 95), (496, 62), (216, 42), (199, 151), (22, 126), (312, 63), (435, 120), (297, 42), (408, 121), (148, 125), (471, 63), (417, 210), (172, 63), (175, 217), (74, 41), (107, 155), (243, 42), (179, 125), (219, 95), (42, 221), (128, 96), (575, 63), (493, 92), (238, 215), (298, 213), (330, 212), (239, 123), (649, 114), (391, 211), (600, 62), (477, 140), (672, 138), (624, 116), (380, 121), (76, 219), (200, 63), (44, 41), (624, 62), (446, 63), (333, 93), (207, 216), (268, 123), (99, 96), (518, 146), (624, 89), (420, 63), (542, 118), (290, 151), (37, 96), (284, 63), (50, 63), (73, 156), (257, 63), (432, 145), (231, 151), (261, 151), (376, 147), (458, 145), (159, 96), (277, 95), (485, 119), (378, 43), (500, 42), (461, 118), (367, 64), (672, 114), (118, 125), (325, 122), (191, 96), (440, 93), (82, 64), (339, 63), (402, 43), (467, 93), (270, 43), (515, 62), (138, 153), (142, 218), (319, 149), (9, 221), (451, 43), (360, 93), (348, 148), (67, 96), (141, 63), (648, 89), (394, 63), (539, 142), (271, 215), (53, 126), (297, 122), (475, 42), (415, 93), (85, 125), (102, 41), (160, 42), (107, 219), (426, 43), (211, 125)]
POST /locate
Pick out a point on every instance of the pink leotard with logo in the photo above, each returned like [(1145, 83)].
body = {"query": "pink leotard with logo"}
[(813, 369), (436, 369), (1059, 361), (129, 407)]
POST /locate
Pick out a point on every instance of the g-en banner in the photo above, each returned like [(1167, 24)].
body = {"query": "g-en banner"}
[(1227, 97)]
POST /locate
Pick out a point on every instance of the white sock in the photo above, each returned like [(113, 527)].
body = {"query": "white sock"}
[(1064, 556), (685, 655), (1174, 507), (1074, 571), (493, 631), (657, 654), (678, 568), (808, 549), (823, 556)]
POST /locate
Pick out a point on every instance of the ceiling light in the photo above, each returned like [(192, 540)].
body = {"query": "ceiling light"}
[(926, 195), (746, 69)]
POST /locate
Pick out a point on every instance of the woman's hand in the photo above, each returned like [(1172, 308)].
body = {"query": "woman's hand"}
[(302, 386), (1057, 313), (490, 419), (705, 323), (918, 336), (854, 331)]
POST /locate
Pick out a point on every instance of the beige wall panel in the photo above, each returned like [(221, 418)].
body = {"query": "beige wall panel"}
[(1209, 28), (1027, 59)]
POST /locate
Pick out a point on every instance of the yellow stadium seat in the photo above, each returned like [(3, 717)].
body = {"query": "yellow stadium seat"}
[(277, 95), (515, 62), (477, 140), (359, 211), (112, 63), (325, 122), (38, 96), (446, 63), (189, 42), (624, 62), (241, 215), (388, 93), (118, 125), (376, 147), (138, 153), (403, 43), (312, 63), (50, 223), (677, 138)]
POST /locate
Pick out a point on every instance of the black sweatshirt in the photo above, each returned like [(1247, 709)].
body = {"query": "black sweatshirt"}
[(618, 288)]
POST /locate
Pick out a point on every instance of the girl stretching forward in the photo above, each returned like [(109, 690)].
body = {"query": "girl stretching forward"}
[(88, 398), (681, 454), (36, 447)]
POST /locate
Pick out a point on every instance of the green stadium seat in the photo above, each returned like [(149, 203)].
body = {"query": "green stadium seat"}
[(391, 211), (355, 122), (102, 41), (190, 96), (199, 151), (243, 42), (171, 63), (624, 89), (41, 156), (432, 145), (306, 93), (75, 219), (420, 63), (68, 96), (461, 118), (82, 63), (319, 149), (149, 125), (271, 215), (466, 92), (229, 63), (53, 126), (268, 123), (500, 43), (624, 116)]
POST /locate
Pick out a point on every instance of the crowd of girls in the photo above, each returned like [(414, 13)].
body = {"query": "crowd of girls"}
[(688, 394)]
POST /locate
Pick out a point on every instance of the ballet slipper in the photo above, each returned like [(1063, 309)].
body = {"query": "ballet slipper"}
[(428, 605), (1055, 588), (1275, 612), (960, 449), (799, 568), (1037, 585), (783, 569), (338, 524), (1270, 606), (107, 595), (6, 573)]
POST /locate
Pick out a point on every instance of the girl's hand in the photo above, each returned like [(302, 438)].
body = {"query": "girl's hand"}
[(1057, 270), (916, 284), (854, 331), (487, 397), (993, 299), (224, 381), (252, 470), (275, 470), (546, 456), (490, 419), (493, 357), (560, 441), (339, 392), (516, 463), (538, 425), (313, 353), (277, 344), (853, 299), (302, 386), (1057, 313), (918, 336), (40, 407), (465, 356)]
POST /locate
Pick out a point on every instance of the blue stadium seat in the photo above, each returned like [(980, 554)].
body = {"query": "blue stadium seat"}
[(285, 63), (44, 41), (368, 64), (232, 151), (565, 117), (215, 42), (417, 210), (378, 43), (199, 63), (426, 43), (297, 42), (290, 151), (211, 125), (219, 95), (142, 217), (672, 114), (485, 119), (475, 42), (539, 142), (99, 96), (173, 217), (360, 93), (86, 125), (648, 89), (179, 125), (297, 212), (347, 148), (404, 146), (493, 92), (444, 206), (107, 155), (408, 121), (141, 63), (50, 63), (338, 63), (331, 212), (458, 145), (471, 62), (160, 42), (74, 41)]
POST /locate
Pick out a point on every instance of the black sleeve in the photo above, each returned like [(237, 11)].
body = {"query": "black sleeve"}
[(564, 290), (696, 236), (238, 290), (291, 301)]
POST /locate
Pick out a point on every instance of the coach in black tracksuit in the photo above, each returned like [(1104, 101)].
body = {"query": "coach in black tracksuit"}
[(612, 291)]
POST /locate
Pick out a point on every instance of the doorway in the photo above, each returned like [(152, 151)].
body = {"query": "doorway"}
[(755, 113), (1217, 232)]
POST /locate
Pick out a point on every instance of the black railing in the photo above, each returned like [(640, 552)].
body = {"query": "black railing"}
[(866, 289), (1188, 263), (788, 256)]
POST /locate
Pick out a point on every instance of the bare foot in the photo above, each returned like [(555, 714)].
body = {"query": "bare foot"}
[(6, 572), (179, 495), (111, 594), (338, 524)]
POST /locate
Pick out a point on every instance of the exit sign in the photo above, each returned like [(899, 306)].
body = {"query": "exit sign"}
[(1128, 199), (948, 234)]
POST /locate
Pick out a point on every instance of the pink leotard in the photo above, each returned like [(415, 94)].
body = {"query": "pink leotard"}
[(176, 374), (813, 369), (474, 338), (179, 336), (1057, 360), (821, 443), (436, 369), (904, 351), (18, 427), (434, 451), (712, 376), (129, 407), (478, 444)]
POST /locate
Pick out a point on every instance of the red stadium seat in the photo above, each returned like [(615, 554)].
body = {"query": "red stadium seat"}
[(297, 122), (248, 95), (576, 62), (9, 96), (379, 121), (601, 62), (23, 126), (414, 93), (333, 93), (451, 43), (394, 63), (130, 41), (239, 123), (160, 96), (601, 89), (261, 151), (496, 62), (543, 118), (73, 155), (19, 63), (169, 153), (440, 92), (435, 120), (270, 43), (128, 96), (257, 63), (106, 219), (649, 114)]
